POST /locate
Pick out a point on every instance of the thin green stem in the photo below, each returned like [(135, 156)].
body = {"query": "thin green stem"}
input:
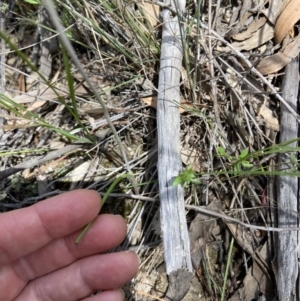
[(227, 269), (65, 41), (106, 195)]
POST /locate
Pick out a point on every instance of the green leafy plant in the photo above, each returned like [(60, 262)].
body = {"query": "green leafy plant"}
[(19, 184), (246, 164), (188, 176), (239, 163)]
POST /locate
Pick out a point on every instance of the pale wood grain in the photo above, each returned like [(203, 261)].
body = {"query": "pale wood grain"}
[(287, 193), (173, 220)]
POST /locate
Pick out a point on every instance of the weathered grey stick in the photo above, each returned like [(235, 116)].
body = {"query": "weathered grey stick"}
[(173, 221), (288, 194), (38, 160)]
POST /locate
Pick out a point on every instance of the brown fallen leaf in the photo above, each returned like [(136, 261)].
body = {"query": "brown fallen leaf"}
[(258, 38), (256, 282), (287, 19), (274, 10), (271, 122), (44, 93), (185, 106), (279, 60), (201, 229), (151, 12), (22, 85), (14, 122), (251, 29), (152, 102), (190, 157), (246, 241)]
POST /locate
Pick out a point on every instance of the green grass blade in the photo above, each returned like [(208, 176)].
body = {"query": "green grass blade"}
[(227, 269), (106, 195)]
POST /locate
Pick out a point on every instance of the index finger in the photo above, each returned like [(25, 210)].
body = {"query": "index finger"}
[(26, 230)]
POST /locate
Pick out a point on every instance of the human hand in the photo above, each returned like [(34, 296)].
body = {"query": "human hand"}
[(39, 260)]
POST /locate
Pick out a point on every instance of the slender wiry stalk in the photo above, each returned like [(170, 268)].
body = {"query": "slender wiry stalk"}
[(65, 41)]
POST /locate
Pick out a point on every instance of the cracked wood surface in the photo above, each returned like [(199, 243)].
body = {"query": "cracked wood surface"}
[(173, 220), (287, 192)]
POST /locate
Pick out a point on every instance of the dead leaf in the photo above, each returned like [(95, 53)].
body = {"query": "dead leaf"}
[(40, 96), (21, 81), (246, 241), (201, 229), (14, 122), (256, 283), (151, 12), (185, 79), (92, 109), (242, 236), (190, 157), (271, 122), (79, 172), (152, 102), (274, 10), (258, 38), (287, 19), (279, 60), (44, 93), (252, 28)]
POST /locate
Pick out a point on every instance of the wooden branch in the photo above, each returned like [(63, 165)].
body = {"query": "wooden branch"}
[(287, 191), (173, 220)]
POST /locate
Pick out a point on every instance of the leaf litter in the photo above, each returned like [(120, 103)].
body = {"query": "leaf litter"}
[(243, 75)]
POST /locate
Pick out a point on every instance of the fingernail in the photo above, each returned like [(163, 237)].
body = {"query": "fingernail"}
[(133, 252), (130, 251), (123, 293)]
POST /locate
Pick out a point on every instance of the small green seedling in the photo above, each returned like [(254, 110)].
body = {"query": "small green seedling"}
[(188, 176), (242, 161)]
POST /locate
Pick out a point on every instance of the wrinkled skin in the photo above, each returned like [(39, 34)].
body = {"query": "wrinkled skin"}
[(39, 260)]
